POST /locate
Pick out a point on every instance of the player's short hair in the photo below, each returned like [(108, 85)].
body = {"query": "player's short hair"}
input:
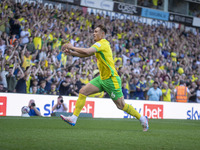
[(103, 28)]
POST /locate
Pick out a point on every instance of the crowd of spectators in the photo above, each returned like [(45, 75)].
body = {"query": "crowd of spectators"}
[(145, 56)]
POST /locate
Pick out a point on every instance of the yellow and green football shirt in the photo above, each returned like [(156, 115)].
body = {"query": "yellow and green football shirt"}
[(105, 60), (166, 97)]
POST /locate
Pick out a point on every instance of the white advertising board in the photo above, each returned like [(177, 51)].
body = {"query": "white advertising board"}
[(101, 4), (11, 104), (196, 22)]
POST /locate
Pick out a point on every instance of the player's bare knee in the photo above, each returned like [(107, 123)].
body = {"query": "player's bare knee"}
[(119, 103), (82, 91), (120, 106)]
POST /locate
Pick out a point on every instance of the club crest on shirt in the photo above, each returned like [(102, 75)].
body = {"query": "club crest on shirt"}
[(98, 44)]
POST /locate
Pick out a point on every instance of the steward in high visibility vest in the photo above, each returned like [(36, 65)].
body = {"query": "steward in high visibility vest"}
[(182, 93), (12, 40)]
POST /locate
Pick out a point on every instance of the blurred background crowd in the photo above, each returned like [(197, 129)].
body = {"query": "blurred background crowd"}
[(32, 62)]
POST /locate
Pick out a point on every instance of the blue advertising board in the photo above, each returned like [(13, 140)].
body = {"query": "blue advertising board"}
[(155, 14)]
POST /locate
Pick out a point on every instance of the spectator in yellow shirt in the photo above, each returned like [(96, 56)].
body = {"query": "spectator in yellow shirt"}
[(118, 58), (84, 79), (166, 92), (37, 40), (26, 57)]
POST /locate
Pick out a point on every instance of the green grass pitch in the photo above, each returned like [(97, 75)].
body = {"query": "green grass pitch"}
[(37, 133)]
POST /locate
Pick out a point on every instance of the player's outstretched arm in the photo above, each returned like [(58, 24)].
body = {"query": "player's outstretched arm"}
[(74, 53), (85, 51), (78, 51)]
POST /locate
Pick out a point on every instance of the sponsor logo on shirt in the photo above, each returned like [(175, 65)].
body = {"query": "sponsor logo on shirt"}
[(98, 44)]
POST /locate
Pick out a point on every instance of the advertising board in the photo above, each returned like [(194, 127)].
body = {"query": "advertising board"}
[(127, 8), (11, 104), (155, 14), (101, 4)]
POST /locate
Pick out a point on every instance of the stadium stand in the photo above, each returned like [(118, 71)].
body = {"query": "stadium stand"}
[(32, 60)]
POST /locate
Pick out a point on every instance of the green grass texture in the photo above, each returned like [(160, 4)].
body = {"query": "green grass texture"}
[(37, 133)]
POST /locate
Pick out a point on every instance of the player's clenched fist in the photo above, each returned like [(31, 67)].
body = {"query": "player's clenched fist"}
[(64, 47), (66, 52), (67, 46)]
